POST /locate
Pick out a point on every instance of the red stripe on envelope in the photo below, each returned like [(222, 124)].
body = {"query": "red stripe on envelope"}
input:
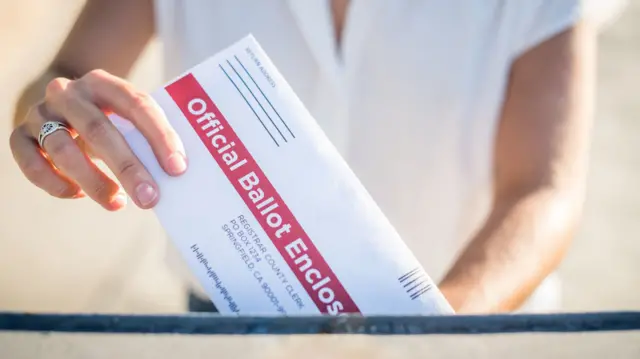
[(294, 245)]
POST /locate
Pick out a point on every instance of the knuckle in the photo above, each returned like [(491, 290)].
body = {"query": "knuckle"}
[(63, 191), (95, 130), (128, 168), (140, 103), (56, 87), (78, 89), (58, 103), (100, 189), (95, 76)]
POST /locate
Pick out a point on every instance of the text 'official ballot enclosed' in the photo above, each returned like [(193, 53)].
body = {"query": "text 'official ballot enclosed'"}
[(268, 216)]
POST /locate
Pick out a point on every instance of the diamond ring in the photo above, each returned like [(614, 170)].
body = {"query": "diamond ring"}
[(48, 128)]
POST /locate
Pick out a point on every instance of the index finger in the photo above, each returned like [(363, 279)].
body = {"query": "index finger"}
[(115, 94)]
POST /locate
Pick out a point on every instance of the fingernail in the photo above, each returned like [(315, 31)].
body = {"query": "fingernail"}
[(119, 200), (177, 163), (146, 194)]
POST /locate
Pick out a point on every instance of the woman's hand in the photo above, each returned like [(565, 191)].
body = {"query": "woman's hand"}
[(64, 169)]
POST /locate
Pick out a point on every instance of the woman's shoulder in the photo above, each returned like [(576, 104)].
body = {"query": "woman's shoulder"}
[(531, 22)]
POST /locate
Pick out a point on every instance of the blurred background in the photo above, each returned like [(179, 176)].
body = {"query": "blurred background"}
[(46, 265)]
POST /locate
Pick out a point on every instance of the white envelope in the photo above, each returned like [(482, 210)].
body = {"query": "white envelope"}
[(269, 217)]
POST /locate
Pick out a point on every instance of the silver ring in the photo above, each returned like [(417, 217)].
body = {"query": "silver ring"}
[(48, 128)]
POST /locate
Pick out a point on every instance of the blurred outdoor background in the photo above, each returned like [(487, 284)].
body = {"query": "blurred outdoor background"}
[(110, 262), (114, 263)]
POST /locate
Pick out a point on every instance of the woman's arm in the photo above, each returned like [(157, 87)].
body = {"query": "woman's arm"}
[(108, 35), (541, 157)]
